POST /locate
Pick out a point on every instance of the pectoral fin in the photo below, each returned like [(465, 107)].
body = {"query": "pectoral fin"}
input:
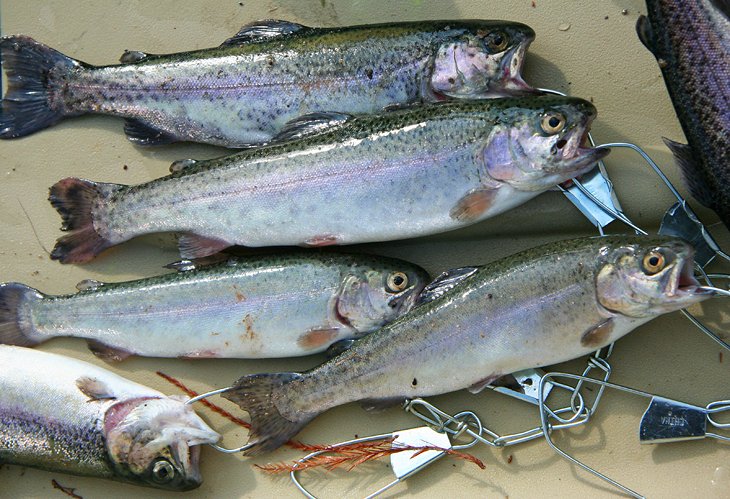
[(597, 336), (473, 205), (317, 338), (94, 389)]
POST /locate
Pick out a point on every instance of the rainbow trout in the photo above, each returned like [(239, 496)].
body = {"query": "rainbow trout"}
[(338, 179), (278, 306), (545, 305), (691, 41), (61, 414), (244, 91)]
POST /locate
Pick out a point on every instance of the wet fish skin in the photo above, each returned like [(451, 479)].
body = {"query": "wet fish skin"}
[(244, 91), (257, 307), (536, 308), (61, 414), (400, 174), (691, 41)]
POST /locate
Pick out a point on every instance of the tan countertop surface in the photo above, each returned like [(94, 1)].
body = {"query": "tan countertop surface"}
[(588, 49)]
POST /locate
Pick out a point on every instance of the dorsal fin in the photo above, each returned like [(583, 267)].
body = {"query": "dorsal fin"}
[(88, 284), (444, 283), (310, 124), (262, 30), (690, 172)]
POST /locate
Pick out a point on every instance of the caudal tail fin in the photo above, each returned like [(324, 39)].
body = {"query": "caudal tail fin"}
[(74, 199), (30, 67), (15, 326), (255, 395)]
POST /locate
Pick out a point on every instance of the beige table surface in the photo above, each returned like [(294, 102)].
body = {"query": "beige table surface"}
[(586, 48)]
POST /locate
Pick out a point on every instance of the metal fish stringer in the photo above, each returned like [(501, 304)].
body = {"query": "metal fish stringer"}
[(217, 447), (665, 420)]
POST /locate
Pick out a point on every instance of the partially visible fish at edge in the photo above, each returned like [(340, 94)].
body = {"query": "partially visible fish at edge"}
[(244, 91), (64, 415), (691, 41)]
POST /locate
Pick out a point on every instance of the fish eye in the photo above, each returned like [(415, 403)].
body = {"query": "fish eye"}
[(397, 282), (653, 262), (163, 472), (552, 123), (497, 41)]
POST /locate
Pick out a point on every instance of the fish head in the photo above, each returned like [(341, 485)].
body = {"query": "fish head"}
[(374, 295), (155, 442), (535, 143), (484, 61), (648, 277)]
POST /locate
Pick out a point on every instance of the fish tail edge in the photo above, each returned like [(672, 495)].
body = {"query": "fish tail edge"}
[(75, 200), (15, 327), (28, 103), (255, 395)]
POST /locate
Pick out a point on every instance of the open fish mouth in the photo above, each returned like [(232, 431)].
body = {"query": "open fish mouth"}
[(575, 153), (683, 282)]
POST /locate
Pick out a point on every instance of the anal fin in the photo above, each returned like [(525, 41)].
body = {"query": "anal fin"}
[(144, 134)]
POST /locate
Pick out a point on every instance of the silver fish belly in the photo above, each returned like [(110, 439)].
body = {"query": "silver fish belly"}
[(279, 306), (61, 414)]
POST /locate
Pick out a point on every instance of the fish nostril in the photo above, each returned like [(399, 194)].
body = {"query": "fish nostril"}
[(561, 143)]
